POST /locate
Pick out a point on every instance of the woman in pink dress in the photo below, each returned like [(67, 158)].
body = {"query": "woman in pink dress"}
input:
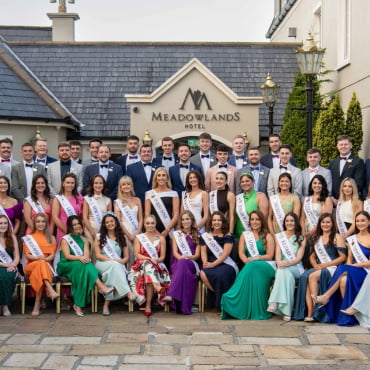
[(39, 202)]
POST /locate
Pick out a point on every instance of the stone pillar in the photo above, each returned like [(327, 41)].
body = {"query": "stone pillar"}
[(63, 26)]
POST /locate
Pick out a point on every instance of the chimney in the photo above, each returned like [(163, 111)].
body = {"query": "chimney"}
[(63, 28)]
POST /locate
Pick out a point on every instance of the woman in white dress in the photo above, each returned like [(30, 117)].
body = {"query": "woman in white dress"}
[(195, 199), (317, 202), (129, 211)]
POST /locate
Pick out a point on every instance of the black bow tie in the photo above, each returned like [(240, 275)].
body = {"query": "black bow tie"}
[(147, 164), (239, 157), (167, 158), (283, 167), (132, 157), (255, 168), (95, 161), (222, 166), (204, 156), (344, 158), (29, 165), (103, 166), (275, 155), (66, 163), (41, 160), (184, 166)]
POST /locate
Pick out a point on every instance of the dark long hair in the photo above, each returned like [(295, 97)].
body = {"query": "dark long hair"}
[(69, 223), (264, 229), (361, 213), (33, 187), (90, 189), (8, 182), (74, 191), (318, 232), (199, 178), (227, 187), (324, 191), (8, 237), (287, 175), (225, 224), (120, 236), (193, 229), (297, 227)]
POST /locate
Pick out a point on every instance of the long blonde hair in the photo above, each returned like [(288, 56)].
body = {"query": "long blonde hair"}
[(355, 196), (128, 180), (155, 183), (47, 232)]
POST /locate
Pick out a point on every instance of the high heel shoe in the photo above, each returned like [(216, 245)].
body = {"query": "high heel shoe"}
[(272, 307), (147, 313), (323, 300), (78, 313), (132, 297), (107, 291), (349, 311), (314, 298), (6, 311), (168, 298)]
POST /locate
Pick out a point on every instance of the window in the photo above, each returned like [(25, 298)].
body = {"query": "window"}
[(344, 33)]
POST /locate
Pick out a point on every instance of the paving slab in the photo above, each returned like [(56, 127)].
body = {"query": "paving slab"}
[(283, 331), (134, 359), (206, 351), (211, 338), (171, 338), (60, 362), (26, 359), (153, 367), (240, 348), (158, 350), (99, 360), (24, 339), (85, 330), (71, 340), (186, 329), (334, 329), (92, 367), (32, 325), (127, 338), (314, 352), (357, 338), (226, 361), (323, 339), (4, 337), (32, 348), (104, 349), (268, 340), (321, 364)]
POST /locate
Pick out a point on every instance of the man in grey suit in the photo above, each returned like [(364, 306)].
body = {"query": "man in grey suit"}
[(204, 159), (258, 170), (6, 150), (58, 169), (93, 149), (314, 168), (23, 173), (285, 154)]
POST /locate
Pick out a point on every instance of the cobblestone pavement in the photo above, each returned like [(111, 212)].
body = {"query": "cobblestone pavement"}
[(169, 341)]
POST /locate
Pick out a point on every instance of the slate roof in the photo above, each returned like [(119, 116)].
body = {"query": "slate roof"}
[(26, 33), (91, 79)]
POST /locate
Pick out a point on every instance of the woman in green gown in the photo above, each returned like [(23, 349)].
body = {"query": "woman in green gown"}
[(78, 268), (251, 200), (247, 298)]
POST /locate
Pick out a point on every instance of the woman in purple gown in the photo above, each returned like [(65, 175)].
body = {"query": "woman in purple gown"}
[(184, 266), (348, 278)]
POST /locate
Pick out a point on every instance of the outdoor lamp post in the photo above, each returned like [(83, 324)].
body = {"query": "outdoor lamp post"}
[(309, 58), (269, 92), (147, 139)]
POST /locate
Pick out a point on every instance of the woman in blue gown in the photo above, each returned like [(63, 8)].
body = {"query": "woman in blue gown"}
[(317, 279), (348, 278)]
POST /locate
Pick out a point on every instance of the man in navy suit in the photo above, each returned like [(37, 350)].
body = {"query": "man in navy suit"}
[(204, 159), (142, 172), (272, 159), (179, 171), (168, 159), (132, 156), (110, 171), (239, 158), (41, 153), (346, 165)]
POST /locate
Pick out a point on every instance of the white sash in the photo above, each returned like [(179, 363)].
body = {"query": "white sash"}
[(241, 212), (287, 250), (186, 201), (110, 251), (94, 210), (323, 256), (159, 206), (342, 228), (4, 256), (35, 249), (67, 206), (3, 213), (183, 245), (217, 250), (36, 206), (310, 215), (150, 248), (77, 251), (357, 252), (213, 207), (278, 210), (251, 245), (128, 214), (367, 205)]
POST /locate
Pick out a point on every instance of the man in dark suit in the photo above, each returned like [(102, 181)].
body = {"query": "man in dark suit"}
[(168, 158), (272, 159), (314, 168), (41, 153), (132, 156), (142, 172), (346, 165), (239, 158), (258, 170), (23, 173), (110, 171), (93, 149), (204, 159), (179, 171)]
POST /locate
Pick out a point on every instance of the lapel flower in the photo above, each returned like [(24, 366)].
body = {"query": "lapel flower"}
[(110, 169), (34, 169), (349, 160), (212, 159), (262, 172)]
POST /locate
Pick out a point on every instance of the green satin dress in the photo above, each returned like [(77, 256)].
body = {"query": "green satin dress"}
[(250, 204)]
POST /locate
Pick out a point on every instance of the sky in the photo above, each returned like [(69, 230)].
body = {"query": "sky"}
[(151, 20)]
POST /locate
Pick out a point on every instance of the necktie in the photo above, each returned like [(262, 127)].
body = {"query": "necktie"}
[(103, 166), (29, 165), (147, 164), (184, 166), (204, 156), (167, 158), (283, 167), (344, 158), (239, 157), (132, 157), (222, 166), (5, 160), (275, 155)]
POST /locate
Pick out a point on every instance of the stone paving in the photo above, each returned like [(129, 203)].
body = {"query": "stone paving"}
[(169, 341)]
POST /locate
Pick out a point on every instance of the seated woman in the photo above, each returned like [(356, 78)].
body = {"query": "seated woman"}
[(247, 298), (148, 274), (348, 278), (9, 259), (39, 249), (112, 254), (290, 246), (326, 250), (219, 270), (75, 264), (185, 269), (317, 202)]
